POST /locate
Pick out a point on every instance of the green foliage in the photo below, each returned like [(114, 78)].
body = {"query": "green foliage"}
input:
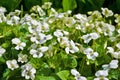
[(82, 6), (63, 74), (69, 4), (10, 4), (45, 78)]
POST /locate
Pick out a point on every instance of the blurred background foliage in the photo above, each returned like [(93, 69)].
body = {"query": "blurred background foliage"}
[(77, 6)]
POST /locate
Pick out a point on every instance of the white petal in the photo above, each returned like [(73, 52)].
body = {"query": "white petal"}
[(16, 41), (75, 72), (43, 49), (114, 64)]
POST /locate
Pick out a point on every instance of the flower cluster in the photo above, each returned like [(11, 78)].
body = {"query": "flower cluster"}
[(102, 74), (60, 43)]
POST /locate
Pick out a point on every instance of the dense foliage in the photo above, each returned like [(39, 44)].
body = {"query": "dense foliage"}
[(82, 6), (49, 45)]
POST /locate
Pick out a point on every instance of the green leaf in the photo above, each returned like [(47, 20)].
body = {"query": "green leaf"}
[(10, 7), (2, 60), (114, 74), (63, 75), (44, 78), (118, 4), (6, 74), (69, 5), (70, 62)]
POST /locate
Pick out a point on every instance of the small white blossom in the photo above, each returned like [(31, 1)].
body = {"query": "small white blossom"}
[(88, 37), (113, 53), (28, 71), (101, 75), (106, 67), (114, 64), (72, 48), (101, 78), (75, 72), (45, 27), (63, 41), (90, 53), (35, 53), (110, 50), (94, 36), (46, 5), (12, 64), (58, 33), (39, 52), (116, 55), (2, 51), (69, 21), (118, 45), (40, 38), (108, 29), (77, 75), (38, 10), (2, 10), (117, 20), (22, 58), (106, 12), (19, 44), (13, 20), (80, 78)]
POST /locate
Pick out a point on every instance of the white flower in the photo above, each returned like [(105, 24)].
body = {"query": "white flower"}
[(46, 5), (88, 37), (118, 45), (101, 73), (117, 20), (40, 11), (94, 15), (43, 49), (58, 33), (110, 50), (114, 64), (22, 58), (101, 78), (75, 73), (63, 41), (113, 53), (108, 29), (116, 55), (19, 44), (39, 52), (69, 21), (71, 48), (28, 71), (106, 67), (94, 36), (45, 27), (81, 17), (80, 78), (35, 53), (2, 10), (12, 64), (40, 38), (2, 51), (106, 12), (90, 53)]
